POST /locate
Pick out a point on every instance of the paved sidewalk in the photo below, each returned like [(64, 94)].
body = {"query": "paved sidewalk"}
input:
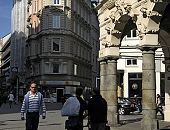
[(13, 122), (5, 109), (10, 120)]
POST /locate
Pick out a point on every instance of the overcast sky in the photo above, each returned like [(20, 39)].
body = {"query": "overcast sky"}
[(5, 17)]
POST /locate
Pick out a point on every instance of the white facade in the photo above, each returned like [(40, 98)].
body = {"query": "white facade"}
[(131, 62)]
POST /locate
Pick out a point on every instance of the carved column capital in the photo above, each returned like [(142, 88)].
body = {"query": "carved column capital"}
[(148, 47), (109, 53), (108, 58)]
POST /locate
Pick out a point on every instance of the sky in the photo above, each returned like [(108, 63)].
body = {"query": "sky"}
[(5, 17)]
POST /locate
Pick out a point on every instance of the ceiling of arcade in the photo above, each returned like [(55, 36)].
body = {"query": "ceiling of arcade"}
[(151, 18)]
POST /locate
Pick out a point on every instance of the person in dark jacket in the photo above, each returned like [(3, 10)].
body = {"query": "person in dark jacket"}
[(97, 111), (83, 104), (159, 107)]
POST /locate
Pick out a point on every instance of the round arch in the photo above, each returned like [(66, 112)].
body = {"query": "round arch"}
[(164, 40), (148, 18)]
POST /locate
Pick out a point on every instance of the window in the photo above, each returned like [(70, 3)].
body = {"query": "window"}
[(132, 34), (64, 68), (75, 69), (56, 45), (56, 21), (57, 2), (56, 68), (47, 67), (131, 61)]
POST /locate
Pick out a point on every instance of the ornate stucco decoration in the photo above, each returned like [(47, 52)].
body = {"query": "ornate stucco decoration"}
[(110, 4), (38, 14), (128, 8), (29, 25), (112, 17), (120, 13), (29, 1), (29, 18)]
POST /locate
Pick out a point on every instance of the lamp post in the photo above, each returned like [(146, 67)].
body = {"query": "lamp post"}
[(15, 70)]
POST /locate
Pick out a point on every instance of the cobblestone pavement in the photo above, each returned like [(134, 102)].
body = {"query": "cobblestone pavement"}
[(10, 120)]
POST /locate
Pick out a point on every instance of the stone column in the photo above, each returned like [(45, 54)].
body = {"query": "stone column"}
[(108, 88), (149, 121)]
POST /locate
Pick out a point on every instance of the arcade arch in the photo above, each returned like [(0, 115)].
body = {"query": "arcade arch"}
[(151, 19)]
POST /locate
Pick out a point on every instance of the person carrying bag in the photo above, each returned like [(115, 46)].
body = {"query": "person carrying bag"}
[(71, 109), (74, 108)]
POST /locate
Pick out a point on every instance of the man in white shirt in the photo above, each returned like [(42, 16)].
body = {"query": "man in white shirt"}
[(34, 106)]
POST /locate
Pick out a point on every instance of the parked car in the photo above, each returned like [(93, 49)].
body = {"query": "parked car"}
[(126, 105)]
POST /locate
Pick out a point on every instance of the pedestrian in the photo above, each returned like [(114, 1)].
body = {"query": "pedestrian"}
[(97, 111), (83, 106), (81, 115), (159, 107), (33, 106), (135, 104), (10, 99)]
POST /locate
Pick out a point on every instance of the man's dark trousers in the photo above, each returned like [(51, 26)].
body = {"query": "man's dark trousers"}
[(32, 120)]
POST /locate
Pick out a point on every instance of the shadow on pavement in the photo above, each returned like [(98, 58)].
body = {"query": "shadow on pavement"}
[(18, 128), (124, 122), (4, 109), (51, 124), (167, 127)]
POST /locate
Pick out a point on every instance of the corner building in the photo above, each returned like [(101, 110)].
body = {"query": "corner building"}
[(62, 35)]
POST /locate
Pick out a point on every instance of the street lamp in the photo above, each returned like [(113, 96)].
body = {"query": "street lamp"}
[(15, 70)]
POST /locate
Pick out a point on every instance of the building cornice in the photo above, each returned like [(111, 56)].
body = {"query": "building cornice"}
[(52, 31)]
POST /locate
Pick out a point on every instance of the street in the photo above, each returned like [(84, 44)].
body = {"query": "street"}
[(54, 121), (10, 119)]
